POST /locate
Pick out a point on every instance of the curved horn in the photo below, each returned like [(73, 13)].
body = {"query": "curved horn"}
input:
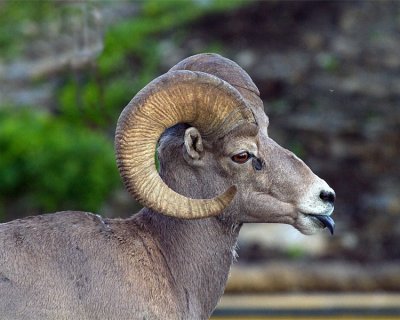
[(210, 104)]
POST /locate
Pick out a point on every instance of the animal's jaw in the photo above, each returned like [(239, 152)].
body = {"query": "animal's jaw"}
[(309, 224)]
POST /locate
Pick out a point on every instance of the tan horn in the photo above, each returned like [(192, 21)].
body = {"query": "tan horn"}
[(199, 99)]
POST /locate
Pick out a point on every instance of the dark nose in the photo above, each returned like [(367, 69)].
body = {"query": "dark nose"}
[(327, 196)]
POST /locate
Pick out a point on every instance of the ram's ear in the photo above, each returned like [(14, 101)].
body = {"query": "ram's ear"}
[(193, 149)]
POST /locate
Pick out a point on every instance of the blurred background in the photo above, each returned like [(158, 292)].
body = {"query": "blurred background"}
[(329, 75)]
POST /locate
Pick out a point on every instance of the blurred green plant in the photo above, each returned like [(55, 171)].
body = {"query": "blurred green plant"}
[(130, 60), (62, 161), (295, 252), (16, 21), (48, 165)]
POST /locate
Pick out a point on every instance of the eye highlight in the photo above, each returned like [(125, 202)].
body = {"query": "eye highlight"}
[(241, 157)]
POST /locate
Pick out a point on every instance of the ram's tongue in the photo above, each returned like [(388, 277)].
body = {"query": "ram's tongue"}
[(327, 221)]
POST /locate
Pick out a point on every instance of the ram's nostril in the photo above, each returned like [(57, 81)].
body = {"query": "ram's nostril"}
[(327, 196)]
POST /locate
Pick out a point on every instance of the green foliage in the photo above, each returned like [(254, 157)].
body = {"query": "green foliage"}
[(49, 165), (52, 163), (131, 59), (295, 252), (16, 23)]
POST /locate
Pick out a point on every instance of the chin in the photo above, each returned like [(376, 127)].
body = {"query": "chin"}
[(307, 225)]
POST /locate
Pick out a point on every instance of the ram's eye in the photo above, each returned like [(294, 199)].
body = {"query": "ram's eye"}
[(241, 157)]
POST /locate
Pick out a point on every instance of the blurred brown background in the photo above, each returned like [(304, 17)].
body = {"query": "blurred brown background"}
[(328, 73)]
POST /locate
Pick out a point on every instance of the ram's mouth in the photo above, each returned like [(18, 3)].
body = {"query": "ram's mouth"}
[(325, 221)]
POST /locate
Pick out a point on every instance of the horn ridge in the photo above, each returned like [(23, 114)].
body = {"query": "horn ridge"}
[(197, 98)]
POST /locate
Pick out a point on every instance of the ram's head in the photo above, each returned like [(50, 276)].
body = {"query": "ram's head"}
[(220, 149)]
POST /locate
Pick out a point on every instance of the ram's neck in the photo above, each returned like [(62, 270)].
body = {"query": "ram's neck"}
[(198, 255)]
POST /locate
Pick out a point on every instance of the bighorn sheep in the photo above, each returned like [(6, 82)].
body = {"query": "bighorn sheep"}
[(218, 170)]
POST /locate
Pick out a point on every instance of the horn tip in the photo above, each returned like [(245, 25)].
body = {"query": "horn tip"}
[(230, 193)]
